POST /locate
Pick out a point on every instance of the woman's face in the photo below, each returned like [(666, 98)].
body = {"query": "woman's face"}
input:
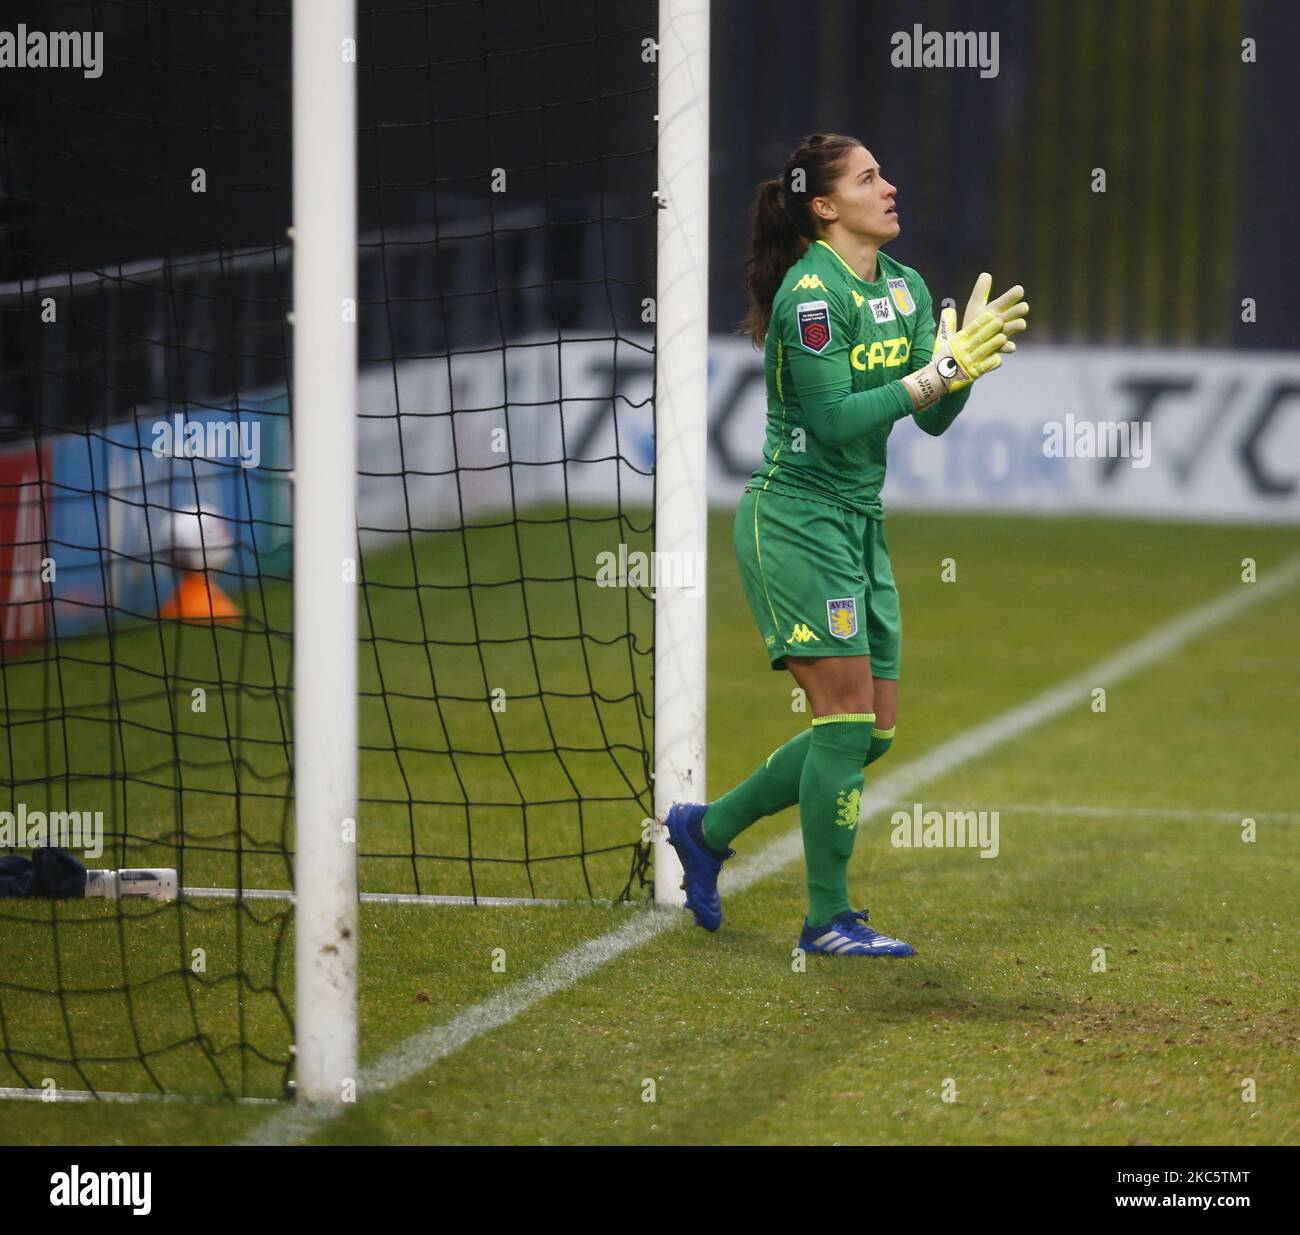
[(863, 200)]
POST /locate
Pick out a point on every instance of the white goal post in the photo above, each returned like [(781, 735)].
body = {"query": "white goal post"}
[(324, 542), (681, 420)]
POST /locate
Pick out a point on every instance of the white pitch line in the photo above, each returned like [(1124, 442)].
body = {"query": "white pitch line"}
[(100, 1095), (1053, 702), (424, 1048), (380, 898)]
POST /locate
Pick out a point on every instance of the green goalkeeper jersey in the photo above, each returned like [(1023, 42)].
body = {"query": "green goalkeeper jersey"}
[(836, 349)]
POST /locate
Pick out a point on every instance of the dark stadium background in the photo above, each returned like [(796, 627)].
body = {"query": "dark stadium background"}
[(1203, 186)]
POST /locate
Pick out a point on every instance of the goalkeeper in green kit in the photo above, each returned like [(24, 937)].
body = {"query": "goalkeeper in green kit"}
[(851, 347)]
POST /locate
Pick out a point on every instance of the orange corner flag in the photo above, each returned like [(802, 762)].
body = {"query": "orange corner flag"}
[(198, 599)]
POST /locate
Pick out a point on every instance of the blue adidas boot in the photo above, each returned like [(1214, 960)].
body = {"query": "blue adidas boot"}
[(849, 936), (699, 861)]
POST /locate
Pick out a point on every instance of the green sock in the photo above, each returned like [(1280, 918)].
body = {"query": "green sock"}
[(771, 787), (881, 741), (830, 792)]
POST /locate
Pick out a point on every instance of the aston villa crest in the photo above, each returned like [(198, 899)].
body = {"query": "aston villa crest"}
[(902, 297), (842, 617)]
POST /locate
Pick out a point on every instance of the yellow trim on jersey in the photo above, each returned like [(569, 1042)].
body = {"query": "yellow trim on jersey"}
[(780, 392), (758, 554), (880, 274)]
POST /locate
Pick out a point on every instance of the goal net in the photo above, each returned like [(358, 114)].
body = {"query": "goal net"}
[(505, 488)]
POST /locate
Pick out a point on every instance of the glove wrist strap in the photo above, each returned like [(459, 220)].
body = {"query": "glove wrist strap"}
[(926, 386)]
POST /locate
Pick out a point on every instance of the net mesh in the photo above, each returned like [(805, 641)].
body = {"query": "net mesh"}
[(505, 484)]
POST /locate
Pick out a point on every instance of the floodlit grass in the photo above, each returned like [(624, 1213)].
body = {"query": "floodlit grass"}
[(1002, 1007)]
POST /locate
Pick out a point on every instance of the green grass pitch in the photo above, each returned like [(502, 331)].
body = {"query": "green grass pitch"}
[(1119, 830)]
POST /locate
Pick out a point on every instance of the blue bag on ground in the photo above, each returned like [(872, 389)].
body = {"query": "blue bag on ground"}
[(49, 872)]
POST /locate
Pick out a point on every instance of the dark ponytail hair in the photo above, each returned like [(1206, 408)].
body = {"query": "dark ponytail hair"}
[(783, 222)]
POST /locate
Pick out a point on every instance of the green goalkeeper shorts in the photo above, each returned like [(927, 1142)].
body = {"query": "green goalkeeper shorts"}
[(818, 580)]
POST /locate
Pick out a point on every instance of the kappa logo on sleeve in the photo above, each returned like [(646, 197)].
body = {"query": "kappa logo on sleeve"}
[(808, 283), (814, 325)]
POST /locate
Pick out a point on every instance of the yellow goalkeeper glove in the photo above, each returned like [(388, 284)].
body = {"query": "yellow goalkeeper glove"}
[(960, 356), (1010, 307)]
